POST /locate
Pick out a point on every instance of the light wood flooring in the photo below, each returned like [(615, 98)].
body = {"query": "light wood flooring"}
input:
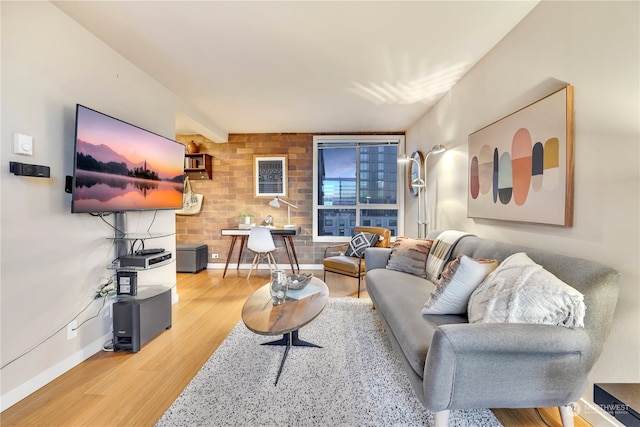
[(124, 389)]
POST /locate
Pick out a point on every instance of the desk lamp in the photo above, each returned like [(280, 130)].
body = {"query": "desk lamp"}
[(276, 204)]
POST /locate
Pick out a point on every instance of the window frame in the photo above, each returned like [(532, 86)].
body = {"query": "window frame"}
[(400, 182)]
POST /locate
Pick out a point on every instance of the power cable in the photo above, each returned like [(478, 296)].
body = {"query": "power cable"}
[(58, 331)]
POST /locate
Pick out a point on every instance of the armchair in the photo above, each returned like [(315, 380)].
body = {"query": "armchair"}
[(350, 266)]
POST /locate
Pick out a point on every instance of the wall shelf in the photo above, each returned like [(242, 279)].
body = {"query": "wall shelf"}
[(198, 166), (124, 244), (118, 267)]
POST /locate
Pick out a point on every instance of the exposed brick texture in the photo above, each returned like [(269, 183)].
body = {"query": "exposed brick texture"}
[(231, 191)]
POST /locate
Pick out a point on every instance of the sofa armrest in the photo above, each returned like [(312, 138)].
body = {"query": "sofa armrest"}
[(376, 258), (513, 338), (505, 365)]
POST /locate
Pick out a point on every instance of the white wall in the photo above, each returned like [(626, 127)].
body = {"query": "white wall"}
[(593, 46), (52, 260)]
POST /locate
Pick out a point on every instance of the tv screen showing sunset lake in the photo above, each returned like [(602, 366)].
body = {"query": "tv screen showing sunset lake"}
[(120, 167)]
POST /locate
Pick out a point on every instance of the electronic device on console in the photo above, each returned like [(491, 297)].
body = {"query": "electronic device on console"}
[(143, 261), (127, 283), (149, 251)]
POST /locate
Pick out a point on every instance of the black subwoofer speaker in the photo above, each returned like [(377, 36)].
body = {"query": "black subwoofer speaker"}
[(138, 319)]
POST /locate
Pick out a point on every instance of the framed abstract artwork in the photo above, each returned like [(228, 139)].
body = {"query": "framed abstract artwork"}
[(270, 176), (521, 166)]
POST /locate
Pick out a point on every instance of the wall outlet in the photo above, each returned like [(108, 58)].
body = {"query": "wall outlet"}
[(72, 329), (215, 256)]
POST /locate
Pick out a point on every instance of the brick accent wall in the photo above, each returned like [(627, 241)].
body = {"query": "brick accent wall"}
[(231, 192)]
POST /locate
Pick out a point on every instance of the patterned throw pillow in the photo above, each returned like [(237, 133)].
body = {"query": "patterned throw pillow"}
[(456, 284), (410, 255), (361, 241)]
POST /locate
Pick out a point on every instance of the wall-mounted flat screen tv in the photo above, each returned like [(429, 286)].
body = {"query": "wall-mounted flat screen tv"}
[(120, 167)]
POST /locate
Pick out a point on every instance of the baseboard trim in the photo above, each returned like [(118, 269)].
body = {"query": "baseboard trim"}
[(220, 266), (12, 397)]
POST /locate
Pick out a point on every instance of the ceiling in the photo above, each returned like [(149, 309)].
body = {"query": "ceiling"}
[(302, 66)]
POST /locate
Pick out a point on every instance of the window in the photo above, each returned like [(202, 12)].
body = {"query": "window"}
[(356, 181)]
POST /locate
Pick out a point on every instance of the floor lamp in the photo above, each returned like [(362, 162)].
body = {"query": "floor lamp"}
[(418, 184), (276, 204), (437, 149)]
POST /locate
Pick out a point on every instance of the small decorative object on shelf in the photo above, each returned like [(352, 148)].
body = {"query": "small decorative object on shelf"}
[(245, 217), (192, 147), (268, 221), (278, 286), (245, 220), (198, 166)]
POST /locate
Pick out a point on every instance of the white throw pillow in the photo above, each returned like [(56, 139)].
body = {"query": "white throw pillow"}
[(521, 291), (457, 282)]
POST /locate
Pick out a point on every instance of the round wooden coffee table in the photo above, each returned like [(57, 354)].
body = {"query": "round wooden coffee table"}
[(262, 317)]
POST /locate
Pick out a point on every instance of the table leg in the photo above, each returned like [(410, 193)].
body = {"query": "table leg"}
[(243, 241), (226, 265), (288, 340), (291, 250), (295, 255)]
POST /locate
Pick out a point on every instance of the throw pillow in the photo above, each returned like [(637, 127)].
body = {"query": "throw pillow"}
[(458, 280), (361, 241), (410, 255), (521, 291)]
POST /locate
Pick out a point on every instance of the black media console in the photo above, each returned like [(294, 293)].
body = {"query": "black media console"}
[(138, 319), (620, 400)]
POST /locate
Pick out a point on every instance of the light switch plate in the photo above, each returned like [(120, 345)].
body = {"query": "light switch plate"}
[(23, 144)]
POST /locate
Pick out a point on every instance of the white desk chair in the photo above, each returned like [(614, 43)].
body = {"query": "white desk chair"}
[(261, 243)]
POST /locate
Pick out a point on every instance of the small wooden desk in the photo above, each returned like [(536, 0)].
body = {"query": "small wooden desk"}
[(287, 235), (262, 317)]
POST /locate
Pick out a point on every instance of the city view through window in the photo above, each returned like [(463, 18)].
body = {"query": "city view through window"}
[(357, 185)]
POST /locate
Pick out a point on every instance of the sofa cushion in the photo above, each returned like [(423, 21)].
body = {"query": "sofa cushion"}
[(521, 291), (399, 305), (410, 255), (361, 241), (458, 280)]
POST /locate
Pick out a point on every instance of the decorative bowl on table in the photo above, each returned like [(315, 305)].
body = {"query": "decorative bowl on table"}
[(299, 281)]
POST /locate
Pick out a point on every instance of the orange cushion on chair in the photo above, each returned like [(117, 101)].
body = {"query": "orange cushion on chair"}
[(344, 265)]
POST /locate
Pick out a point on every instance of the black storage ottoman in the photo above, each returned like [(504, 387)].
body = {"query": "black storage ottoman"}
[(191, 258)]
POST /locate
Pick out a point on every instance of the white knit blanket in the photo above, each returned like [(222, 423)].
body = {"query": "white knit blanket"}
[(521, 291)]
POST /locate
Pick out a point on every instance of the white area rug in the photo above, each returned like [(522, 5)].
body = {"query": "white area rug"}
[(356, 379)]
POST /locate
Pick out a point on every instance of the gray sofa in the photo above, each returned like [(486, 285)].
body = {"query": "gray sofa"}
[(453, 364)]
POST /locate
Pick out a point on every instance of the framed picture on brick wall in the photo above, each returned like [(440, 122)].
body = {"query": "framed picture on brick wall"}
[(270, 176)]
